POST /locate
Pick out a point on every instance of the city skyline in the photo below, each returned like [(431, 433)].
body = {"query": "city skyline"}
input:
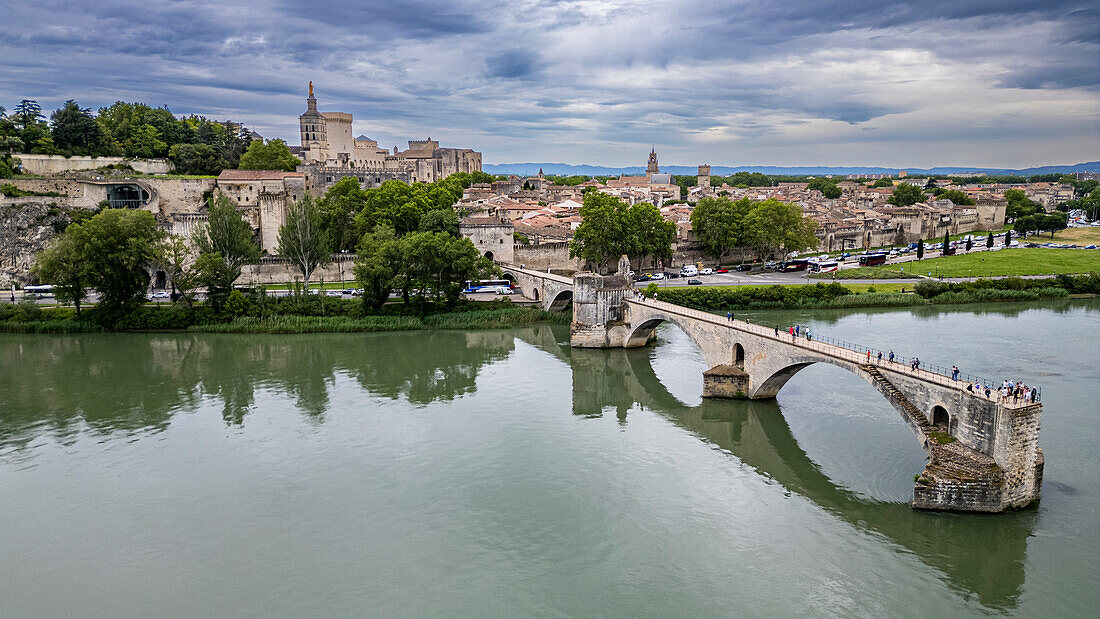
[(1006, 85)]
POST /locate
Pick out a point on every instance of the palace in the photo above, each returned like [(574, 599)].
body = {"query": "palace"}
[(329, 153)]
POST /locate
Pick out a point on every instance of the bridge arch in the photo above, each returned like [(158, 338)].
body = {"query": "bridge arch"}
[(489, 255), (561, 301)]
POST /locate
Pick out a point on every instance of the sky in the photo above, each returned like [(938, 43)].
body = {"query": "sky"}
[(1005, 83)]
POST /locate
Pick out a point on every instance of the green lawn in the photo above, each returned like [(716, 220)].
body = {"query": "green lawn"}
[(1020, 261), (881, 272)]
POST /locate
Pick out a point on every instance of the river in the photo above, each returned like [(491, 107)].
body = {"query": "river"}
[(503, 473)]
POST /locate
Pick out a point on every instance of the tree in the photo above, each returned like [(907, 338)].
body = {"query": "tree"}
[(440, 220), (225, 242), (26, 113), (946, 243), (989, 241), (906, 194), (172, 255), (719, 224), (1054, 222), (145, 143), (438, 265), (775, 226), (920, 249), (969, 244), (378, 258), (931, 184), (198, 159), (76, 132), (1019, 205), (65, 266), (826, 186), (274, 155), (957, 197), (883, 182), (116, 245), (1008, 238), (339, 207), (303, 239), (611, 228)]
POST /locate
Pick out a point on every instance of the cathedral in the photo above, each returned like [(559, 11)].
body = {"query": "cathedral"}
[(329, 153)]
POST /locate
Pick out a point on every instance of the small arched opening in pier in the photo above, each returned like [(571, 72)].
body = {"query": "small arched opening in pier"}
[(941, 419), (739, 356)]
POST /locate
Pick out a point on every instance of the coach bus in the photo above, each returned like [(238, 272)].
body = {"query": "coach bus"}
[(798, 264), (486, 285), (870, 260)]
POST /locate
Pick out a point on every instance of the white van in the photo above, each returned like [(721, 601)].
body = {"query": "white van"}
[(689, 270)]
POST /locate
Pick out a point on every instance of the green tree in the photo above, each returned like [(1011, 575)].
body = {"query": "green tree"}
[(1019, 205), (1008, 238), (1054, 222), (776, 226), (957, 197), (75, 132), (65, 266), (920, 249), (826, 186), (989, 241), (611, 228), (969, 244), (173, 255), (436, 265), (145, 143), (440, 220), (931, 184), (883, 182), (719, 224), (946, 243), (198, 159), (274, 155), (378, 258), (225, 242), (339, 207), (906, 194), (303, 239), (115, 245)]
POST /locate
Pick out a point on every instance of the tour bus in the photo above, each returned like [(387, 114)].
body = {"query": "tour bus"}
[(796, 264), (486, 285), (39, 292), (824, 266), (870, 260)]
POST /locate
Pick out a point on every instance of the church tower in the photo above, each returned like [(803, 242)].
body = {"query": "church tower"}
[(313, 130), (652, 168)]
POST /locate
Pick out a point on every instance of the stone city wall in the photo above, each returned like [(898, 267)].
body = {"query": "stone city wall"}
[(553, 256), (58, 164)]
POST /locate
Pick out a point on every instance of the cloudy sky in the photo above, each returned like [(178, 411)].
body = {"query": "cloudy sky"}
[(1005, 83)]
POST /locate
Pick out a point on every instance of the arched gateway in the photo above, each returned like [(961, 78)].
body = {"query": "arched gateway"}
[(983, 455)]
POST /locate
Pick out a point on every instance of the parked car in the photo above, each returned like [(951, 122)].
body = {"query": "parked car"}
[(689, 270), (334, 293), (744, 267), (160, 294), (657, 276), (706, 272), (694, 282), (1090, 247), (504, 290), (721, 270), (771, 265), (645, 277)]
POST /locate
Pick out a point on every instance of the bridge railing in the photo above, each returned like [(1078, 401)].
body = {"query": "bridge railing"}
[(849, 351)]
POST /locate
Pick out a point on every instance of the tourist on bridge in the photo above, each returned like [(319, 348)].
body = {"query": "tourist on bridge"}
[(729, 316), (880, 357), (891, 356), (868, 355), (792, 334), (954, 372), (776, 330)]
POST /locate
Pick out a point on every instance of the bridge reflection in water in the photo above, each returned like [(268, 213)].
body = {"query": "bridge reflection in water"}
[(975, 559)]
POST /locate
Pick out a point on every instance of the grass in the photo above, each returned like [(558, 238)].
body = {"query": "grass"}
[(1019, 261), (943, 438), (485, 319), (864, 273), (1069, 236), (48, 326)]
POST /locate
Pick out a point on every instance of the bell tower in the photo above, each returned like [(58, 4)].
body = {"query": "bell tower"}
[(652, 168), (313, 131)]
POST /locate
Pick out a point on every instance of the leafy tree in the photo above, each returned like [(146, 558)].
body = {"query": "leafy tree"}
[(883, 182), (437, 265), (115, 246), (27, 113), (1019, 205), (145, 143), (303, 239), (199, 159), (719, 224), (931, 184), (826, 186), (1054, 222), (274, 155), (611, 228), (339, 207), (172, 255), (440, 220), (946, 242), (225, 242), (65, 266), (906, 194), (378, 259), (969, 244), (989, 241), (1027, 224), (1008, 238), (76, 132), (920, 249), (776, 226), (957, 197)]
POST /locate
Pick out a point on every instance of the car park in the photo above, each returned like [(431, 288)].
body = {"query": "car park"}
[(694, 282)]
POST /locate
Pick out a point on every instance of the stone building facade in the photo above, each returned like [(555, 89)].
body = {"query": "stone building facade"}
[(263, 197), (492, 236)]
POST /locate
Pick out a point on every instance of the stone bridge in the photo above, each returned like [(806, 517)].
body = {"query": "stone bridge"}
[(983, 454), (553, 292)]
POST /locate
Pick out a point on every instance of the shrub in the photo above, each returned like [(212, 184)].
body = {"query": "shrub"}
[(928, 288)]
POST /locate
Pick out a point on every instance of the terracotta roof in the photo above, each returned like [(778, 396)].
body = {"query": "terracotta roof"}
[(257, 175)]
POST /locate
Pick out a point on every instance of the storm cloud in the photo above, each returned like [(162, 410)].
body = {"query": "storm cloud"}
[(793, 82)]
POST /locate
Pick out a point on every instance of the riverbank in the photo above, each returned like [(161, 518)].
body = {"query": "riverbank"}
[(1017, 261), (295, 316)]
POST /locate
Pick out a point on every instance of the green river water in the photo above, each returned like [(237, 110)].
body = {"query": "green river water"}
[(501, 473)]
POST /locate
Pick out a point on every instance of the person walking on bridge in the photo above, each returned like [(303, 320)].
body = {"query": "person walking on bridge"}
[(891, 356), (792, 334), (955, 372), (776, 330), (880, 357)]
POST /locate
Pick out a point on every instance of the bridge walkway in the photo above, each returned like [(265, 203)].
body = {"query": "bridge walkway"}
[(825, 348), (561, 279)]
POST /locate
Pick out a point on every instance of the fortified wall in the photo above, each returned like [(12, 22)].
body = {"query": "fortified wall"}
[(59, 164)]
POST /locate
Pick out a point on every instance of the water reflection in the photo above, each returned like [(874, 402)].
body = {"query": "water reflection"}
[(127, 384), (980, 555)]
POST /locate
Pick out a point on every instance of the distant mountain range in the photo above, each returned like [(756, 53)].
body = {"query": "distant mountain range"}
[(565, 169)]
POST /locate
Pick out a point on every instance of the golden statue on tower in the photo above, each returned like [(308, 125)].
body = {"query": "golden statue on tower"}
[(311, 89)]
